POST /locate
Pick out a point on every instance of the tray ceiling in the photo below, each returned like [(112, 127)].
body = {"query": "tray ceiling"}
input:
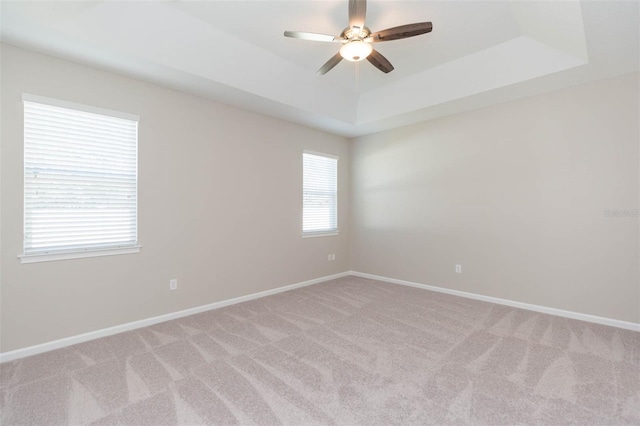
[(479, 53)]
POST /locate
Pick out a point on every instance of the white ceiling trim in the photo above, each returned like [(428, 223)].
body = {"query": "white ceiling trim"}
[(234, 52)]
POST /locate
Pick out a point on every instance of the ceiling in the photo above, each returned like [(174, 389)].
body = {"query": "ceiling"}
[(479, 53)]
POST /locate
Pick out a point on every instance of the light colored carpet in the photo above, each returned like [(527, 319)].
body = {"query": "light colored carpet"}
[(348, 352)]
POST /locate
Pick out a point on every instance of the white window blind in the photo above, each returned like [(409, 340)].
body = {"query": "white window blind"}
[(320, 194), (80, 178)]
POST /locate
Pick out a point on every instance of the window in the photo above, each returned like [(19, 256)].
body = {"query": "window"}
[(80, 181), (319, 194)]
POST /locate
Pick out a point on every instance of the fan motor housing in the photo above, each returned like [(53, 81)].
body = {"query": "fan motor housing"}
[(347, 33)]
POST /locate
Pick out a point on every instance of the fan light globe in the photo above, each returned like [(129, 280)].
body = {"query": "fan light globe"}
[(355, 50)]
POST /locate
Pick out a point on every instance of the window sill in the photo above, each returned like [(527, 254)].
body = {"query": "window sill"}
[(34, 258), (319, 234)]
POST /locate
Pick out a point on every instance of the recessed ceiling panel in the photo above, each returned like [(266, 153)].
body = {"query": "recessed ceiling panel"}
[(235, 52)]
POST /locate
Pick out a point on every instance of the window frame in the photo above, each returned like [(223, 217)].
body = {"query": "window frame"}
[(77, 253), (329, 232)]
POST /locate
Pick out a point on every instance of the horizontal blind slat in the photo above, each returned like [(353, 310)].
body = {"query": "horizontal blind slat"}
[(79, 178)]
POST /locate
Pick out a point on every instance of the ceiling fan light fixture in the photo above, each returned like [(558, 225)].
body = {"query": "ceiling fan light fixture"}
[(355, 50), (357, 39)]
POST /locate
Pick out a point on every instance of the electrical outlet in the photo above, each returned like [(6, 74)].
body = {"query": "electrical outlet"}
[(331, 257), (458, 269), (173, 284)]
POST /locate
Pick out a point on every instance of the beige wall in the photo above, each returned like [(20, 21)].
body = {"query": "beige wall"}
[(515, 193), (219, 207)]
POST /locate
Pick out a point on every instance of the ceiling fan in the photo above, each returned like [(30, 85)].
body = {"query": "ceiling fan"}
[(356, 39)]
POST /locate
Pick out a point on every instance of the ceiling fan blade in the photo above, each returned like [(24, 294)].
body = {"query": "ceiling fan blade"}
[(402, 31), (335, 60), (357, 13), (380, 61), (311, 36)]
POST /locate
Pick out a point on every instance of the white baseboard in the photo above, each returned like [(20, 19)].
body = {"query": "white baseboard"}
[(80, 338), (545, 310)]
